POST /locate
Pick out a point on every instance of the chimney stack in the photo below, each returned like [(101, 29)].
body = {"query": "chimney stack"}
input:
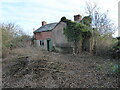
[(44, 23), (77, 18)]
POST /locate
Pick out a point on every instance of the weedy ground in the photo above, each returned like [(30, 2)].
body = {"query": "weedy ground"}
[(33, 68)]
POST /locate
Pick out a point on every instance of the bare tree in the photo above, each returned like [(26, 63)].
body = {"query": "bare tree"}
[(101, 23), (100, 20), (11, 34), (90, 7), (13, 29)]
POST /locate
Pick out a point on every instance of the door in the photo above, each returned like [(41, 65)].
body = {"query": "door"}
[(49, 45)]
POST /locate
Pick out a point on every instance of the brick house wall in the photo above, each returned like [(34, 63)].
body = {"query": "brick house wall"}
[(43, 35)]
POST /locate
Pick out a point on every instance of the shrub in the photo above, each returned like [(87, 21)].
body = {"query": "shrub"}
[(12, 36), (104, 45), (115, 68), (115, 50)]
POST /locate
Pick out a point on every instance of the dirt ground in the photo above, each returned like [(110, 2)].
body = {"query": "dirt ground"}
[(34, 68)]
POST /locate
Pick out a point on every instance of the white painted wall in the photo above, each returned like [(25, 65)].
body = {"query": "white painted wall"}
[(37, 42)]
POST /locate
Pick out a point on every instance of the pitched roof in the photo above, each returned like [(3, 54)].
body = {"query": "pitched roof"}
[(46, 27)]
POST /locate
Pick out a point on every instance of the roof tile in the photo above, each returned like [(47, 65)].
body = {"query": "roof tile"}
[(46, 27)]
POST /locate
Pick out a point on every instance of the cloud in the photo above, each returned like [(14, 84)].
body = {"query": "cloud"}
[(30, 13), (37, 9)]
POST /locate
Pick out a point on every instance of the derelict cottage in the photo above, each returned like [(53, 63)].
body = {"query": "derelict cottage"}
[(51, 36)]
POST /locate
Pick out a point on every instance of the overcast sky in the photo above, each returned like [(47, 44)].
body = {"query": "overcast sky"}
[(29, 13)]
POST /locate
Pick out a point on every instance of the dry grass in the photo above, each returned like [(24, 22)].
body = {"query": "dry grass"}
[(104, 45), (33, 67)]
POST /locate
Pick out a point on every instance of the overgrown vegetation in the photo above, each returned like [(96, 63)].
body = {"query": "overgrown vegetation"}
[(96, 30), (12, 37), (103, 28), (31, 67), (76, 31)]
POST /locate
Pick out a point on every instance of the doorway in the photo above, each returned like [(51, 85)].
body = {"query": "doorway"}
[(49, 45)]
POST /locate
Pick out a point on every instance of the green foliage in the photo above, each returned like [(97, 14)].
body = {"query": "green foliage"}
[(75, 31), (12, 35), (63, 19), (115, 68), (106, 42), (116, 47), (6, 37), (87, 20)]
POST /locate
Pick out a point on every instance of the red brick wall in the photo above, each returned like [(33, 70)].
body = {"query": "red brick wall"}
[(43, 35)]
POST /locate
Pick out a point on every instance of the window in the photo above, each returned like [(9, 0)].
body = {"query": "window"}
[(42, 42)]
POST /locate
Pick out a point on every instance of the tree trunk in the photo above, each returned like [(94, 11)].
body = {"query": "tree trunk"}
[(75, 48)]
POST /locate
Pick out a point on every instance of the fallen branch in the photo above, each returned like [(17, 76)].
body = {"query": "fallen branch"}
[(22, 57)]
